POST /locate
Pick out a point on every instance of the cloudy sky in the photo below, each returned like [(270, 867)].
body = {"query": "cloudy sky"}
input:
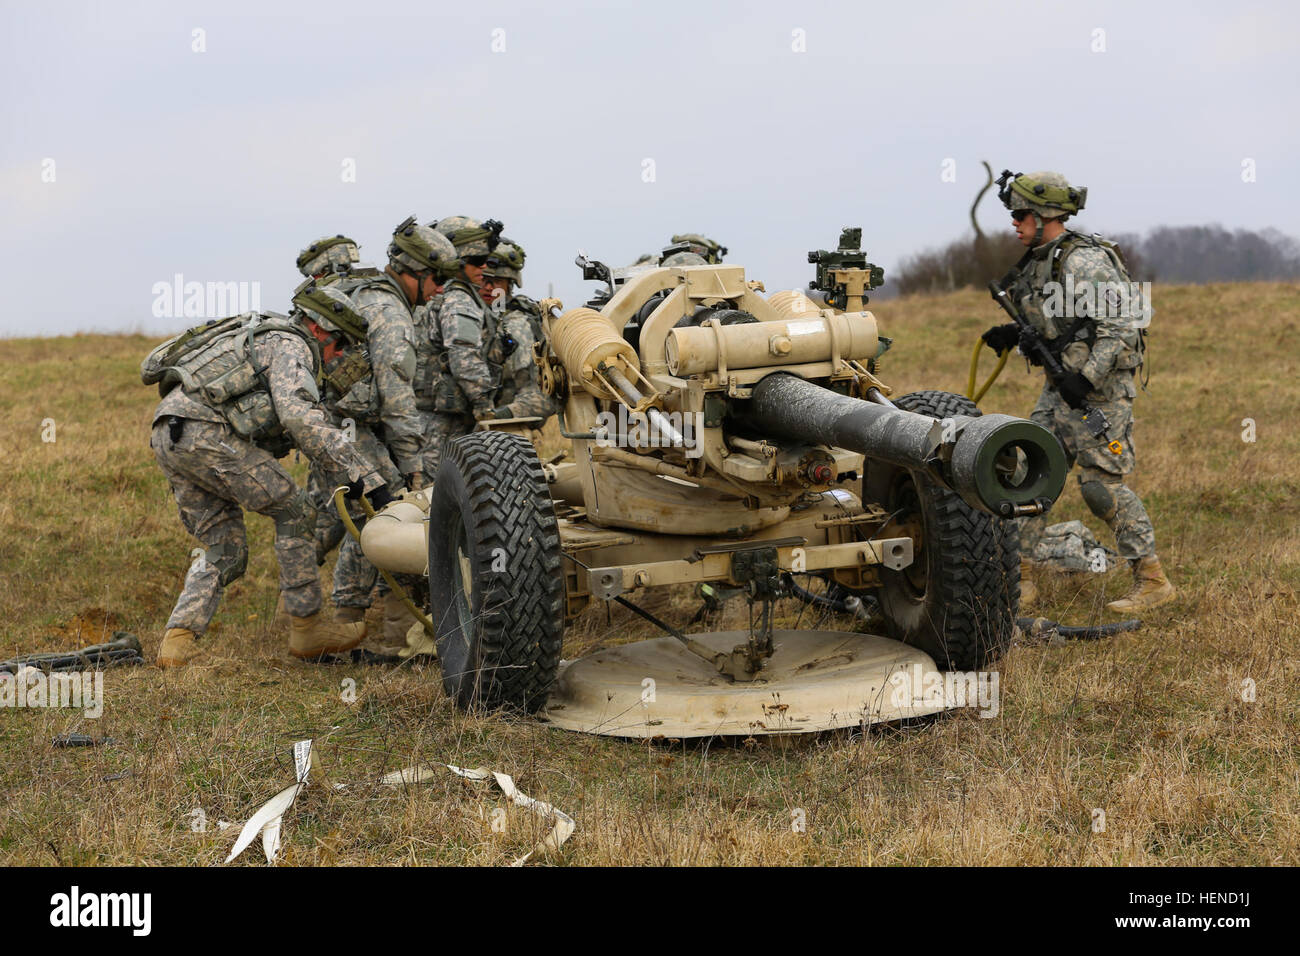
[(214, 140)]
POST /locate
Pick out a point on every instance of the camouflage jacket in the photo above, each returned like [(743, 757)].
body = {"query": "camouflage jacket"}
[(390, 342), (287, 405), (464, 380), (425, 319), (512, 350), (1106, 343)]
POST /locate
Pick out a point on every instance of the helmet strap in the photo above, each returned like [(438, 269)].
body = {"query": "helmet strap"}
[(1038, 232)]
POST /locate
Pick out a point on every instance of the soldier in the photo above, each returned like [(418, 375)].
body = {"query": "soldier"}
[(332, 255), (463, 383), (237, 395), (518, 329), (326, 260), (1100, 352), (692, 249), (378, 394)]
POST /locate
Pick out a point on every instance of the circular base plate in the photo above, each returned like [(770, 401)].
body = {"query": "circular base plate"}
[(815, 680)]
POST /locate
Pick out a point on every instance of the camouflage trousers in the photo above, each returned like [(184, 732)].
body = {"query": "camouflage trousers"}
[(354, 576), (440, 428), (1101, 474), (214, 476)]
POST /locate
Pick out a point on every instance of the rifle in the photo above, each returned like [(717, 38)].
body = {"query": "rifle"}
[(1093, 418), (123, 649)]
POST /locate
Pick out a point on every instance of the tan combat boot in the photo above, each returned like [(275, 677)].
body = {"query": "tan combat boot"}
[(179, 647), (1150, 588), (281, 619), (351, 620), (397, 621), (310, 637), (1028, 589)]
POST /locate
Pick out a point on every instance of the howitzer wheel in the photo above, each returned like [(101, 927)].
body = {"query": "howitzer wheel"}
[(958, 599), (495, 582)]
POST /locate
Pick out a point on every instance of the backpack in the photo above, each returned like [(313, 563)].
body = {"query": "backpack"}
[(215, 363)]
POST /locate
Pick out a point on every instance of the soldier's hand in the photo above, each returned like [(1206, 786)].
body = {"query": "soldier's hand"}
[(484, 412), (379, 497), (502, 412), (1028, 351), (1074, 388), (1002, 338), (414, 480)]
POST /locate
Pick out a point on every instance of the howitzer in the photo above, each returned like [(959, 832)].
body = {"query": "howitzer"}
[(1093, 418), (740, 443)]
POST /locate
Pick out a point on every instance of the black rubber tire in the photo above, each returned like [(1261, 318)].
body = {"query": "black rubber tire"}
[(491, 505), (958, 601)]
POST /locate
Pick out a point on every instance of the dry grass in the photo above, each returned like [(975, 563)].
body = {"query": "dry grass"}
[(1149, 727)]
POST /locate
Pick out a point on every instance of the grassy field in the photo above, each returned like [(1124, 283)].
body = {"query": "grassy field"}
[(1150, 727)]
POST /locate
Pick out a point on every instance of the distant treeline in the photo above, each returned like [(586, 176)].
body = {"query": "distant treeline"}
[(1168, 253)]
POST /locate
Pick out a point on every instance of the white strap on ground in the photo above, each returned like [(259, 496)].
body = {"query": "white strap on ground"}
[(268, 818), (562, 825)]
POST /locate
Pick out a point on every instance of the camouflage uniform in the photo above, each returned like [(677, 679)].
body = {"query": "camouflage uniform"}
[(464, 383), (511, 350), (383, 408), (1108, 362), (214, 474)]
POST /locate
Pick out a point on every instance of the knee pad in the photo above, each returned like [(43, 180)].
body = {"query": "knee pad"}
[(297, 519), (1099, 496), (230, 560)]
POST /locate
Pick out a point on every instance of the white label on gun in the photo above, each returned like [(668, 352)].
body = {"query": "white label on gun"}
[(805, 328)]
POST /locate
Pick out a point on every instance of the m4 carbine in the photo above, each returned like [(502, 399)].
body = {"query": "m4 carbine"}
[(1093, 418)]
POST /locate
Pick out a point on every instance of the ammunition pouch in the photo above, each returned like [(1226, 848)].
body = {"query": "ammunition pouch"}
[(447, 395)]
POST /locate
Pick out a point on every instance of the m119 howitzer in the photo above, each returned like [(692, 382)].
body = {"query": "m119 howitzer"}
[(1094, 418), (740, 443)]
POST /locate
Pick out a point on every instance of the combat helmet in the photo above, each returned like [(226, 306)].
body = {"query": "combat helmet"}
[(506, 261), (330, 309), (470, 237), (330, 254), (712, 252), (416, 248), (683, 258), (1046, 194)]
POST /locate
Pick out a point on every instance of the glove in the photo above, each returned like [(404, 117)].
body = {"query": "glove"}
[(1074, 388), (1028, 351), (1002, 338), (379, 497), (502, 412), (355, 490)]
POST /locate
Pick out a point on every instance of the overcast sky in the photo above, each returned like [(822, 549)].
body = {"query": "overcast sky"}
[(769, 125)]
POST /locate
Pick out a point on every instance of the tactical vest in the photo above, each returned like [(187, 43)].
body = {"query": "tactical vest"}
[(444, 389), (349, 380), (215, 363), (1070, 241)]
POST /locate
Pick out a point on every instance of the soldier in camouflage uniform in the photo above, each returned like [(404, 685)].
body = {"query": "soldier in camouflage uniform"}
[(519, 327), (692, 249), (237, 395), (1100, 347), (326, 260), (331, 255), (463, 384), (378, 394)]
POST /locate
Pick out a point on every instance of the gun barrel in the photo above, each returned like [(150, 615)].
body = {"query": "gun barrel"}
[(997, 463)]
